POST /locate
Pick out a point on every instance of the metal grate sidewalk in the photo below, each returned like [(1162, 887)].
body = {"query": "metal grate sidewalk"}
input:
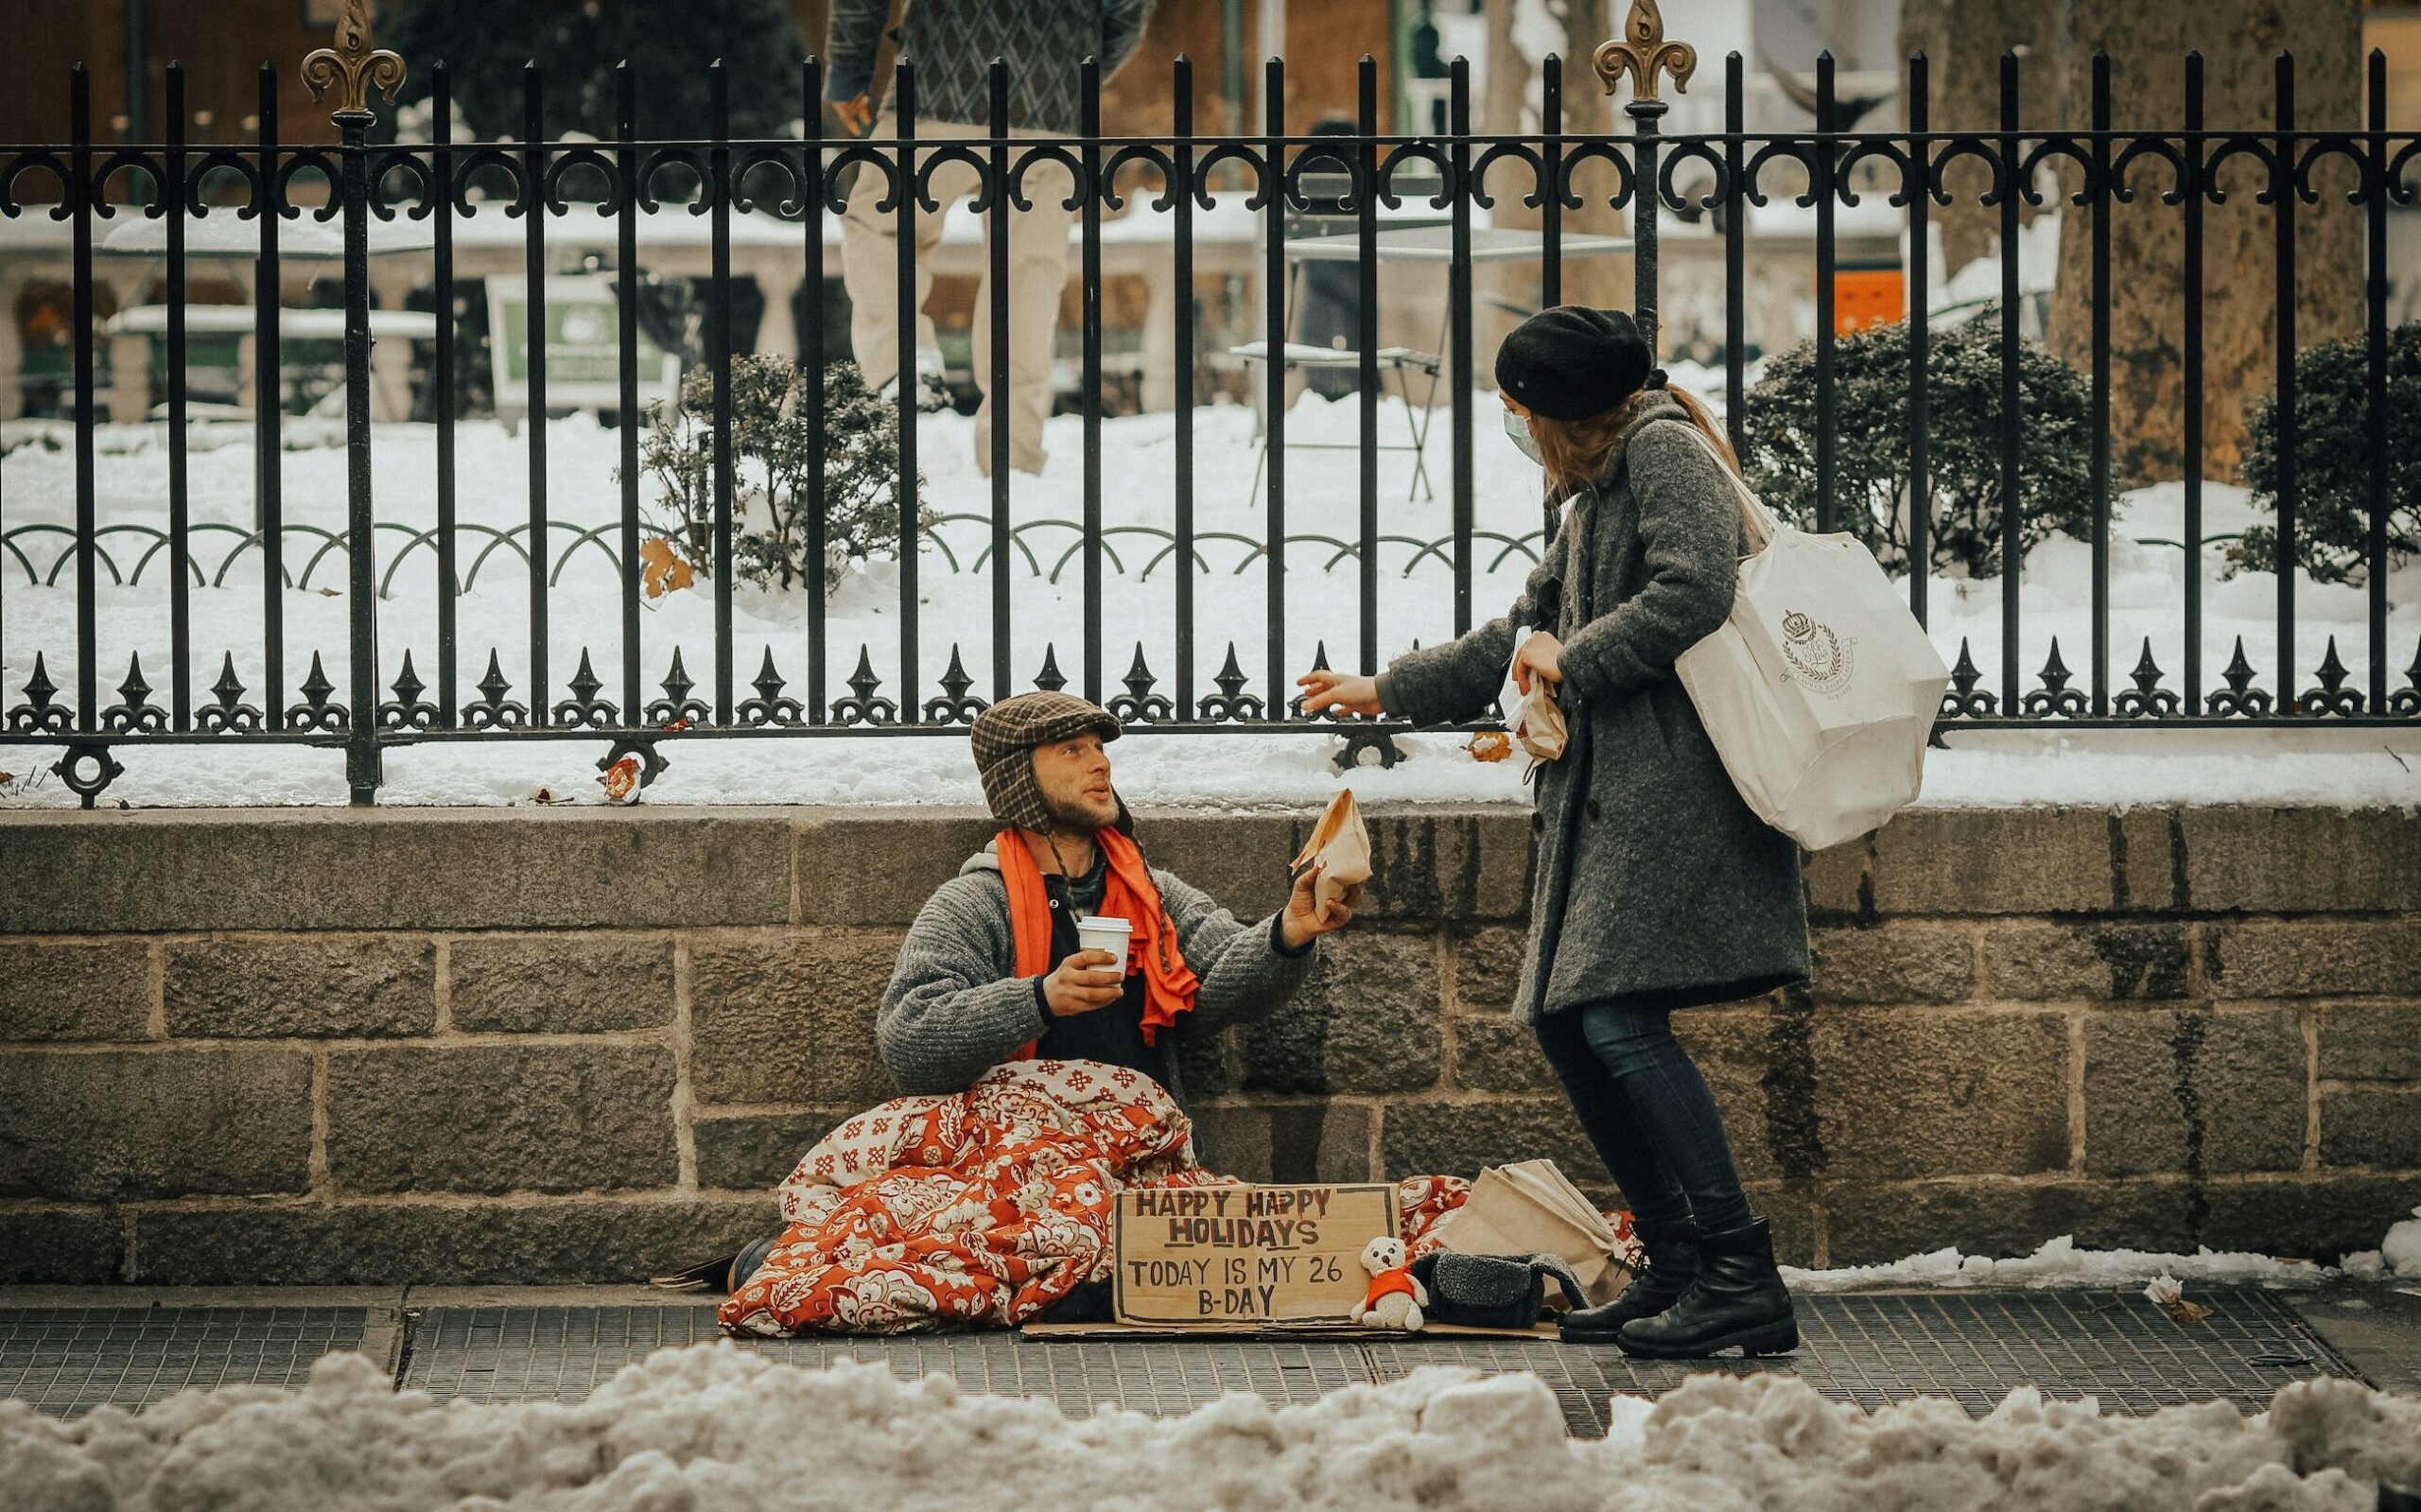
[(1868, 1348), (67, 1361)]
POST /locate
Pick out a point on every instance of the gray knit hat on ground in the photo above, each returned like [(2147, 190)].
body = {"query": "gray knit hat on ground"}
[(1004, 737)]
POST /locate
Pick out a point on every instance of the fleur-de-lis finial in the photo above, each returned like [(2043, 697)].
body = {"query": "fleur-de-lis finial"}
[(351, 68), (1643, 53)]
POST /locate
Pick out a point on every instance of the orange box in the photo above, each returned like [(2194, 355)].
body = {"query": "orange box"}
[(1867, 296)]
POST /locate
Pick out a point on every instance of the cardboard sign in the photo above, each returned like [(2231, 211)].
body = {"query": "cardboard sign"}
[(1220, 1256)]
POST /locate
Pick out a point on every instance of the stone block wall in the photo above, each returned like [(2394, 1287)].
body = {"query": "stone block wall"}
[(330, 1047)]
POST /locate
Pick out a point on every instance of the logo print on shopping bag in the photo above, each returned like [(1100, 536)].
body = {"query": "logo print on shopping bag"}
[(1815, 652)]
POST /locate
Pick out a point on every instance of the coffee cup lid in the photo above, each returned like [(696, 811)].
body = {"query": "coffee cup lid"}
[(1098, 921)]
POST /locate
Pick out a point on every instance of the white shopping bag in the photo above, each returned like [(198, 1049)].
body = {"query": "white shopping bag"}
[(1821, 689)]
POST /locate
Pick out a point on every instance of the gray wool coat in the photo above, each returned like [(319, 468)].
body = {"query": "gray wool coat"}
[(1653, 881)]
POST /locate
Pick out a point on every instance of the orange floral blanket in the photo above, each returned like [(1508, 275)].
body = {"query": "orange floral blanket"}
[(985, 1207)]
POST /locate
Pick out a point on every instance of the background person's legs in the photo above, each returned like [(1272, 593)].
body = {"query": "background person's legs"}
[(1624, 1141), (1037, 273), (870, 258)]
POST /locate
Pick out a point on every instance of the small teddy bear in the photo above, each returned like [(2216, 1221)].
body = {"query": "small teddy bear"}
[(1395, 1298)]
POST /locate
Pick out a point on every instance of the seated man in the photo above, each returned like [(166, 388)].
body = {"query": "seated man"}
[(991, 970)]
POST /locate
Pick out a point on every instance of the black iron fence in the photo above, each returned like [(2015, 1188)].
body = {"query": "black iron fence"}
[(1653, 179)]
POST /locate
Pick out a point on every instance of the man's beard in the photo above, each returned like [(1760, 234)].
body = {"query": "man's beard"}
[(1074, 816)]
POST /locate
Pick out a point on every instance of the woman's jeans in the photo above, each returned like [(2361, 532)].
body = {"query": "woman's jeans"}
[(1648, 1112)]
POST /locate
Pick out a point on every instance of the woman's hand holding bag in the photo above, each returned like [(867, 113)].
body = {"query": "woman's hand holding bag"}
[(1537, 725)]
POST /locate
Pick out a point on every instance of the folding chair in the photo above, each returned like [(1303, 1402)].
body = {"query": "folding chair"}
[(1326, 193)]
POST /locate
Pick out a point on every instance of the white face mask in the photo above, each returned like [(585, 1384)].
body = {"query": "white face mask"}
[(1517, 431)]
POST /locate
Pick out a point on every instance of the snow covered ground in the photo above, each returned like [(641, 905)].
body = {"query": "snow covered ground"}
[(2058, 1263), (37, 485), (717, 1427)]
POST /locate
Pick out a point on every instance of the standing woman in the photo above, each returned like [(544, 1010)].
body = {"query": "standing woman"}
[(1655, 886)]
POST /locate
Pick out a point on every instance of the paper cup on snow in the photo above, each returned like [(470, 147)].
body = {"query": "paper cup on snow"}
[(1097, 934)]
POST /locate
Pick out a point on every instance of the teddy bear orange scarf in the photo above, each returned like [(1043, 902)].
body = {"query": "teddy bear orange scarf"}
[(1169, 983)]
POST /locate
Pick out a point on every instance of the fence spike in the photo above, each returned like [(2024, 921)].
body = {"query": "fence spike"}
[(862, 681), (2239, 673), (229, 687), (408, 686), (1965, 699), (955, 682), (676, 682), (230, 712), (2239, 696), (2332, 671), (1231, 677), (317, 688), (769, 706), (584, 683), (2408, 699), (134, 691), (494, 685), (2055, 671), (40, 690), (40, 713), (1138, 678), (1051, 680), (676, 708), (954, 705), (2332, 696), (863, 708), (768, 683), (315, 712), (2055, 696), (584, 708), (2147, 673), (2147, 698), (134, 709)]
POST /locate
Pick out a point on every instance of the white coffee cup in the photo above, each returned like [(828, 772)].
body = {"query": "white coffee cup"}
[(1094, 932)]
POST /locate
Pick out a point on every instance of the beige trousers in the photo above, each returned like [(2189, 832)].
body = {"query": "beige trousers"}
[(1038, 269)]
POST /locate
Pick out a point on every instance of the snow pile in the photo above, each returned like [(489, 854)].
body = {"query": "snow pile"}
[(2059, 1263), (2401, 1249), (717, 1427)]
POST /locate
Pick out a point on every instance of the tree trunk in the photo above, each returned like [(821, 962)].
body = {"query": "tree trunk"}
[(2146, 46), (2239, 40), (1962, 41), (1511, 108)]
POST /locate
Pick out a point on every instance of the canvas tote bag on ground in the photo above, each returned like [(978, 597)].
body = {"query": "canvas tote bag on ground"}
[(1821, 689), (1529, 1207)]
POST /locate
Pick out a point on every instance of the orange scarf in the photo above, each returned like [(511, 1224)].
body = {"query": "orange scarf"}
[(1169, 983)]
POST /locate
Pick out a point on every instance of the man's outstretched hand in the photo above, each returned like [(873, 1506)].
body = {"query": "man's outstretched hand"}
[(1305, 920), (1083, 983)]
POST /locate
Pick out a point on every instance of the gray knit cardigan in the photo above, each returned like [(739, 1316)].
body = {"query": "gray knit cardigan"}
[(956, 1006)]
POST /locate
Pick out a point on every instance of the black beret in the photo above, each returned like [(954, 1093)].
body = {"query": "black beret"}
[(1572, 362)]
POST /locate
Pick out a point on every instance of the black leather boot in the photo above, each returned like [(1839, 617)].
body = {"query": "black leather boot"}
[(1672, 1265), (1738, 1301)]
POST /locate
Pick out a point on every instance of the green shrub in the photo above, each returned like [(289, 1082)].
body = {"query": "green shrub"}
[(2332, 461), (1963, 430), (770, 507)]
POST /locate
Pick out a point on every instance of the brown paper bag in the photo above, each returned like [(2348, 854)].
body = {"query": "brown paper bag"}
[(1340, 845), (1530, 1209), (1537, 724), (1533, 719)]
